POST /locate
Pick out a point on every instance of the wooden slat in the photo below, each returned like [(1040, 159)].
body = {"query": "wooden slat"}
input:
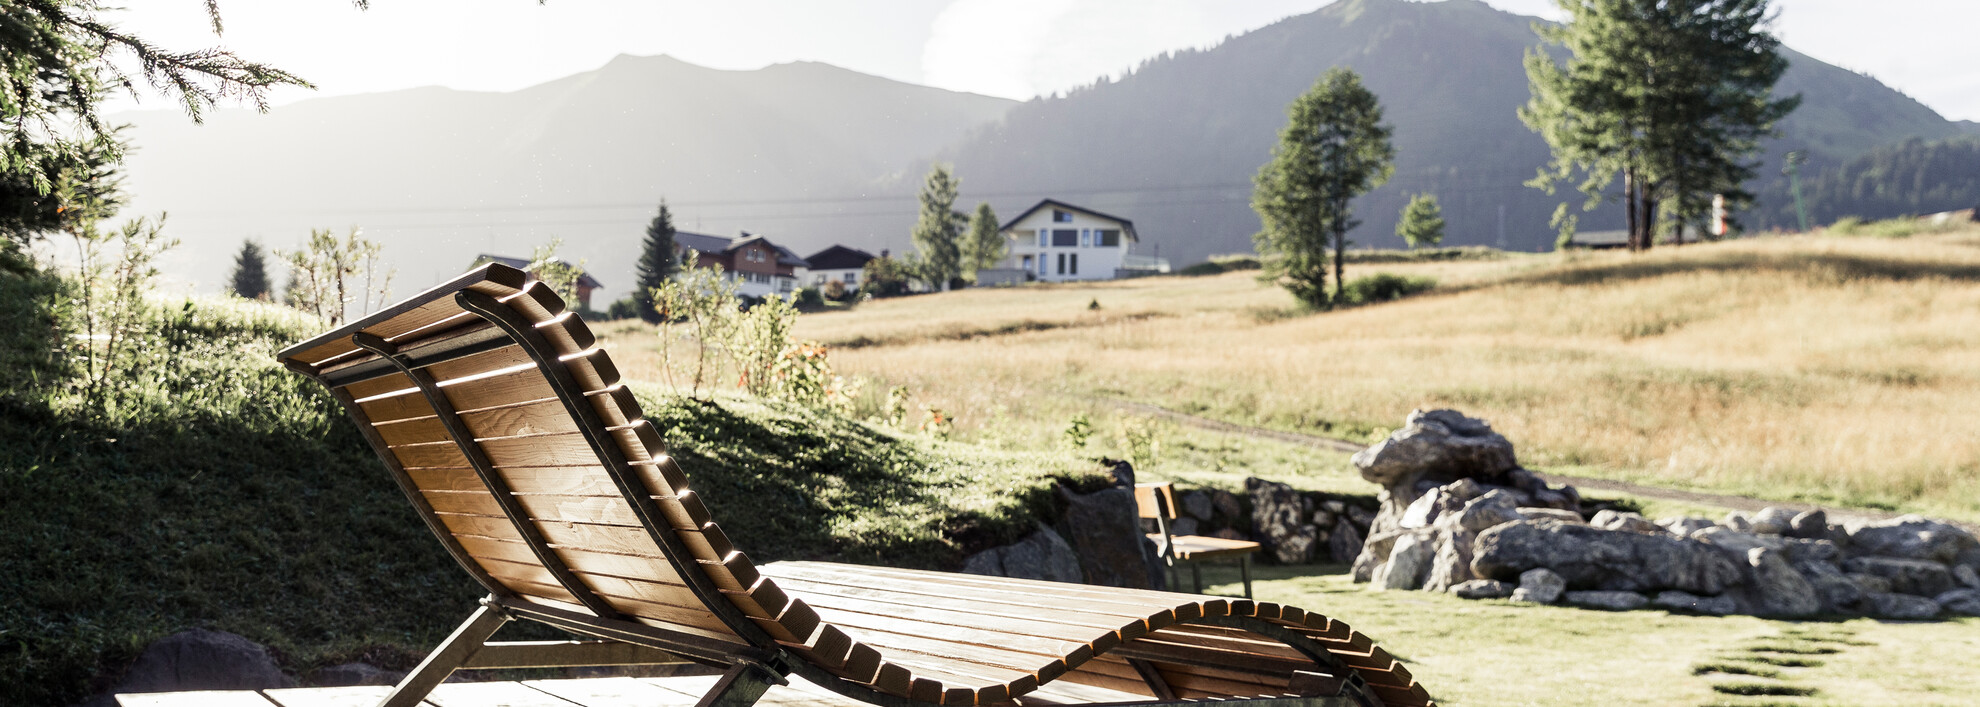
[(499, 389), (838, 595), (483, 694), (415, 313), (379, 386), (200, 698), (355, 696), (846, 610), (510, 356), (561, 449)]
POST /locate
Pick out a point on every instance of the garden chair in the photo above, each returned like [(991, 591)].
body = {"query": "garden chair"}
[(511, 435), (1157, 501)]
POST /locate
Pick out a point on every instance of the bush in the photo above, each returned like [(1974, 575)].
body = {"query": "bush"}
[(808, 297), (835, 291), (622, 309), (1201, 269), (1383, 287)]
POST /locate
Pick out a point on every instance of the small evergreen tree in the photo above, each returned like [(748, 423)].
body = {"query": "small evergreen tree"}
[(656, 263), (250, 278), (937, 233), (884, 277), (984, 246), (1422, 222), (1333, 149)]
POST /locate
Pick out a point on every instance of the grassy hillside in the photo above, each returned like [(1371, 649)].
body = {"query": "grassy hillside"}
[(1828, 369), (221, 490)]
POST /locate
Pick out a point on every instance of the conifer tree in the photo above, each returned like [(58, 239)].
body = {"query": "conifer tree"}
[(657, 262), (937, 233), (1422, 222), (1333, 149), (250, 277), (984, 246)]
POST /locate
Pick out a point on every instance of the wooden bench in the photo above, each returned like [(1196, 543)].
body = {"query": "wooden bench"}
[(1157, 501), (511, 435)]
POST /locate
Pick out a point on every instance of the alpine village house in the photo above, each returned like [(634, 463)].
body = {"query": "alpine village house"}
[(1058, 242)]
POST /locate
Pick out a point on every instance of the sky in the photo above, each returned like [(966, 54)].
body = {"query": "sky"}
[(1010, 48)]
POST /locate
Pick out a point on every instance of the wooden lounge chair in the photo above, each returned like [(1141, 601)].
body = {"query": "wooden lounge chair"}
[(1157, 501), (510, 434)]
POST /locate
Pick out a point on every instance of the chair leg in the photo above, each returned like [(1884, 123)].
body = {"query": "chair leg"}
[(741, 686), (1196, 575), (444, 660), (1244, 568)]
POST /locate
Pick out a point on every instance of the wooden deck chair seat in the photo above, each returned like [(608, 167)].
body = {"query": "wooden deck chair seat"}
[(510, 433), (1157, 501)]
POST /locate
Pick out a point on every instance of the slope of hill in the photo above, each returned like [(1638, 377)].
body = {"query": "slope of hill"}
[(1175, 144), (442, 174)]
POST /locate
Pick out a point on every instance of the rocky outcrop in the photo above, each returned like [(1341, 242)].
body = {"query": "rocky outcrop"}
[(1040, 555), (1594, 558), (200, 659), (1539, 586)]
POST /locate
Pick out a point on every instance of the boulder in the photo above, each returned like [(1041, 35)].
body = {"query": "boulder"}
[(1539, 586), (351, 674), (200, 659), (1969, 557), (1805, 550), (1225, 504), (1278, 521), (1196, 504), (1966, 576), (1408, 562), (1483, 589), (1593, 558), (1450, 565), (1684, 527), (1674, 600), (1923, 578), (1775, 588), (1495, 507), (1836, 591), (1322, 518), (1965, 602), (1183, 526), (1631, 522), (1104, 530), (1737, 520), (1913, 537), (1871, 584), (1424, 510), (1344, 542), (1544, 513), (1900, 606), (1041, 555), (1440, 442), (1736, 542), (1361, 516), (1809, 524), (1611, 601), (1773, 520)]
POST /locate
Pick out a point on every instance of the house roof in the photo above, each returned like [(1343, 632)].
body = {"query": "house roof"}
[(721, 244), (584, 278), (1126, 225), (839, 257)]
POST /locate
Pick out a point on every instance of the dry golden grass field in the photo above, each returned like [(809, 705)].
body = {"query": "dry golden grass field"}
[(1828, 369)]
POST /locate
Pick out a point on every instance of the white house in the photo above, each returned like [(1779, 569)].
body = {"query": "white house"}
[(837, 263), (1058, 242)]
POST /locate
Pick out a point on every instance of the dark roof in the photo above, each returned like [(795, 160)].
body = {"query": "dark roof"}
[(1126, 225), (584, 278), (839, 257), (719, 244), (701, 242)]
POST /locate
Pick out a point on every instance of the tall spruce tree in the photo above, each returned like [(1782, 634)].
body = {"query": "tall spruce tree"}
[(250, 276), (1422, 222), (1334, 148), (937, 232), (657, 262), (983, 246), (1672, 95)]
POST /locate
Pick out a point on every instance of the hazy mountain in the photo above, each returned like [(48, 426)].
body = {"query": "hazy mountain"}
[(1174, 145), (441, 174)]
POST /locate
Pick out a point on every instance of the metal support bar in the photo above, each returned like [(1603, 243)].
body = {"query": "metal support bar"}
[(743, 684), (1244, 568), (567, 654), (498, 487), (699, 649), (450, 656)]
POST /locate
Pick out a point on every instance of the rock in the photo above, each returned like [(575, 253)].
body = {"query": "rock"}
[(1965, 575), (1965, 602), (1736, 542), (1225, 504), (1900, 606), (1913, 537), (1483, 589), (1804, 550), (1408, 562), (1278, 519), (1542, 513), (1344, 542), (350, 674), (1809, 524), (1871, 584), (1334, 505), (1121, 470), (1041, 555), (1374, 552), (1539, 586), (1441, 442), (1495, 507), (1461, 491), (1773, 520), (1361, 516), (1776, 589), (1684, 527), (1230, 534), (1612, 601), (1737, 520), (1423, 511), (1196, 504), (1565, 498), (1451, 564), (1322, 518), (1183, 526), (1593, 558), (1832, 587), (1675, 600), (1104, 530), (1630, 522), (200, 659), (1969, 557), (1923, 578)]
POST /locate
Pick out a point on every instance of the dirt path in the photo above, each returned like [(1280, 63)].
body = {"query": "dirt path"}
[(1585, 484)]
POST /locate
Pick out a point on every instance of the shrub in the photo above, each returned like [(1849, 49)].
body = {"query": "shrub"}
[(1201, 269), (835, 291), (808, 297), (1383, 287)]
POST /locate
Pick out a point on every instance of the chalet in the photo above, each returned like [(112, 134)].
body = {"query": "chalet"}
[(759, 267), (1058, 242), (585, 284), (836, 263)]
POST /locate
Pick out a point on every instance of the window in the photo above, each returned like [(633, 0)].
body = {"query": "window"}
[(1044, 237), (1085, 237), (1061, 216), (851, 278), (1062, 263), (1074, 269), (1041, 263), (783, 284), (1025, 263), (1065, 237), (1107, 238)]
